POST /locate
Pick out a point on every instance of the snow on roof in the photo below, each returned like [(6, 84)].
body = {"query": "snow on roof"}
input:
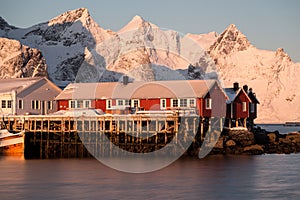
[(232, 94), (17, 84), (137, 90)]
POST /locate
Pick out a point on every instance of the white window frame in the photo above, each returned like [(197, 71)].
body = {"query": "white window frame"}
[(120, 102), (163, 104), (172, 103), (87, 103), (244, 106), (35, 104), (9, 103), (133, 101), (192, 105), (208, 103), (109, 104), (182, 104), (3, 104), (49, 105), (72, 104)]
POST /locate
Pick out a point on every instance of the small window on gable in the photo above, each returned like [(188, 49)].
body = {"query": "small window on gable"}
[(208, 103), (252, 107), (244, 106)]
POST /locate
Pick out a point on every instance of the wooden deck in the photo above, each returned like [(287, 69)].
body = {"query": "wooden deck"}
[(65, 137)]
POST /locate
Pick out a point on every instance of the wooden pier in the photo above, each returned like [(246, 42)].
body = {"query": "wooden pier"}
[(67, 137)]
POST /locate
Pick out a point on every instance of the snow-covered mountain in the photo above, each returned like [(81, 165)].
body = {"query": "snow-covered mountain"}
[(17, 60), (76, 48), (271, 74), (62, 40)]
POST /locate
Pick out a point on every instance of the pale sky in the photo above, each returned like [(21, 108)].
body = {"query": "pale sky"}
[(268, 24)]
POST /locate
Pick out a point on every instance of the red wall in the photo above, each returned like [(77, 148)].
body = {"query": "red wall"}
[(100, 104), (62, 104), (238, 106)]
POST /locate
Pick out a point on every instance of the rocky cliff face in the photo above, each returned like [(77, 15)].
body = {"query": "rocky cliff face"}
[(17, 60)]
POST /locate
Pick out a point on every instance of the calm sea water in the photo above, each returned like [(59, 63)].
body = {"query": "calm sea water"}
[(280, 127), (214, 177)]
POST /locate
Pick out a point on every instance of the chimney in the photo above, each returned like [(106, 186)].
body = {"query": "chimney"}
[(125, 80), (245, 87), (236, 86)]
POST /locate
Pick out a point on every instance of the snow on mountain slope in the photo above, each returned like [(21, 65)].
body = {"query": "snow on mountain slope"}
[(17, 60), (204, 40), (63, 41), (272, 75), (140, 48)]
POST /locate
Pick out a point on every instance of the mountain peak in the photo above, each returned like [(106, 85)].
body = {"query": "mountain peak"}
[(282, 54), (70, 16), (135, 23), (138, 19), (232, 39)]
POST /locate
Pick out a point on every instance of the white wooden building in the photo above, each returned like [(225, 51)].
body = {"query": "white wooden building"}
[(20, 96)]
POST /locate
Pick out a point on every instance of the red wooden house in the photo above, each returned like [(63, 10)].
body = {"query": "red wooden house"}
[(237, 111), (205, 97)]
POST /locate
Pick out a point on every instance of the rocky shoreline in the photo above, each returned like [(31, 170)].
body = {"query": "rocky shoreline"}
[(256, 142)]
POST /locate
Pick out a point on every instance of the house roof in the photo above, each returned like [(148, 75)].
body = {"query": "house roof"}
[(253, 97), (20, 84), (137, 90), (17, 84), (232, 94)]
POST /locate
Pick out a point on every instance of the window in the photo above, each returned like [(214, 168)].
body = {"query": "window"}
[(208, 103), (163, 104), (127, 102), (192, 103), (120, 102), (174, 103), (87, 103), (20, 104), (35, 104), (3, 104), (183, 102), (72, 104), (135, 103), (252, 107), (79, 104), (244, 106), (49, 105), (108, 104), (9, 104)]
